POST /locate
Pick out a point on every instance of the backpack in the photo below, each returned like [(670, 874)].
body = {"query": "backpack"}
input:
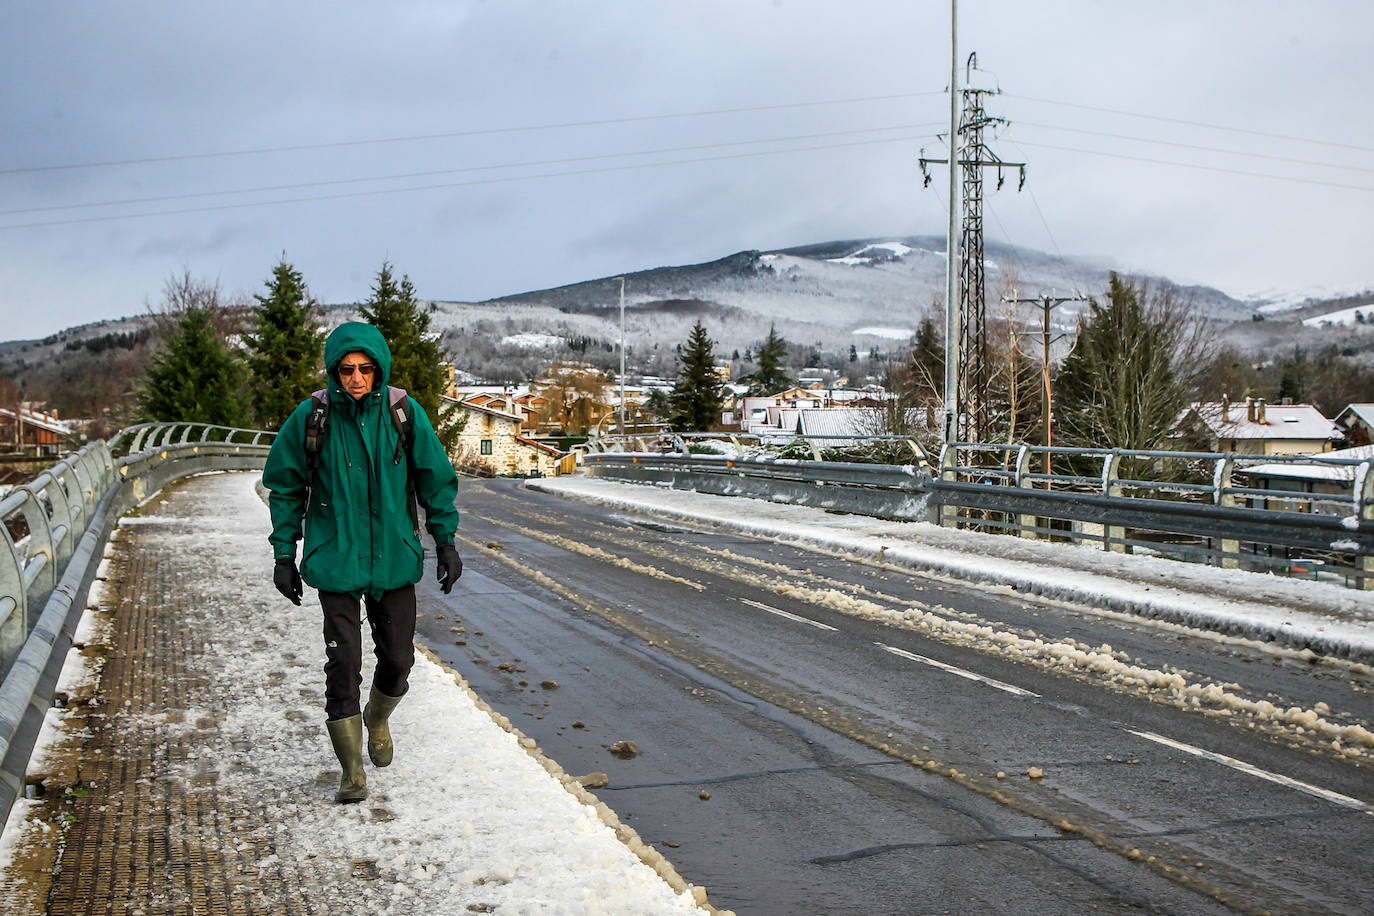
[(317, 426)]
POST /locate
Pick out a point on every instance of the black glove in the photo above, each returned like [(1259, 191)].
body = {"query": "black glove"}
[(448, 566), (288, 580)]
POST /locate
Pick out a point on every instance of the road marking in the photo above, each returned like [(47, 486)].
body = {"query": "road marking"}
[(962, 672), (1343, 800), (781, 613)]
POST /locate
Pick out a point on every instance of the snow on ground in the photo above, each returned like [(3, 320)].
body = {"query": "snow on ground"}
[(1358, 315), (1324, 617), (889, 333), (531, 341), (476, 818)]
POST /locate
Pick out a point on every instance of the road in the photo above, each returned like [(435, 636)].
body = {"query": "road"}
[(819, 735)]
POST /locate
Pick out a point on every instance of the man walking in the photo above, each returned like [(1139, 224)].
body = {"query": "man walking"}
[(351, 462)]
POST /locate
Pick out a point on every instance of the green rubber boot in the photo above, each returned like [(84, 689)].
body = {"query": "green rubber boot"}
[(375, 714), (347, 737)]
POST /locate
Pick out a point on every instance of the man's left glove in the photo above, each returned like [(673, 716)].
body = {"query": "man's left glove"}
[(288, 580), (448, 566)]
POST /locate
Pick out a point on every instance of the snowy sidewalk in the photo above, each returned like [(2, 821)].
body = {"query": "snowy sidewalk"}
[(1324, 618), (191, 771)]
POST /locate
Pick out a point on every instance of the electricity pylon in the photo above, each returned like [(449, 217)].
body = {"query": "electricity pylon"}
[(972, 372)]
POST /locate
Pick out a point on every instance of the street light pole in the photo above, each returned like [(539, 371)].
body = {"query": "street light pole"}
[(622, 355)]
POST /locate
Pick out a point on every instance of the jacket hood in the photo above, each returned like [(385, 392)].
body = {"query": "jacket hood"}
[(357, 337)]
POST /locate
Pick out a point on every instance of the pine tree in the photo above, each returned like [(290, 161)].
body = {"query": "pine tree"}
[(416, 360), (195, 378), (769, 377), (696, 399), (1129, 376), (284, 355)]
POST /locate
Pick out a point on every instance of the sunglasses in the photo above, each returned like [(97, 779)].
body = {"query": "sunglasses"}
[(366, 370)]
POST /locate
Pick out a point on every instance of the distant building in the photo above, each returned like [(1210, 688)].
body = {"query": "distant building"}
[(1314, 479), (1257, 428), (37, 432), (493, 441), (1357, 422)]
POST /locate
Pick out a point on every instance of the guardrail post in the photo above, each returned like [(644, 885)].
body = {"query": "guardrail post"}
[(1025, 524), (935, 507), (1113, 536), (14, 624), (1228, 549), (1364, 510), (815, 450)]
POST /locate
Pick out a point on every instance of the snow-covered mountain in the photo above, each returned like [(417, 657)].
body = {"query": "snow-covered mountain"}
[(831, 296)]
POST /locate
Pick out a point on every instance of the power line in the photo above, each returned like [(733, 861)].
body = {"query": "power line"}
[(1204, 124), (461, 133), (461, 184), (474, 168), (1192, 165), (1195, 146)]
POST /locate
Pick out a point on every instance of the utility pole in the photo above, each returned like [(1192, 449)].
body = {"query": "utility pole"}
[(970, 370), (952, 403), (1046, 339), (622, 354)]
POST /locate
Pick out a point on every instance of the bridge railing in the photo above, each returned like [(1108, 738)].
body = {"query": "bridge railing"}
[(1183, 505), (54, 531)]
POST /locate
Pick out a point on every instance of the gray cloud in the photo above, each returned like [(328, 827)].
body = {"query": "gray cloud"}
[(95, 82)]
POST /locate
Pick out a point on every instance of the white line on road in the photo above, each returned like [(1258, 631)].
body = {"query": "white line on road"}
[(962, 672), (1336, 797), (1344, 801), (797, 617)]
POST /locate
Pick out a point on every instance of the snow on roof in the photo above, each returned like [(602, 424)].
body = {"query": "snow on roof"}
[(1321, 468), (1281, 421), (1364, 412), (40, 420), (482, 408), (840, 421)]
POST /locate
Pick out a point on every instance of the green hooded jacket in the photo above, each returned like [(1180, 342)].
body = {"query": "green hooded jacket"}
[(358, 532)]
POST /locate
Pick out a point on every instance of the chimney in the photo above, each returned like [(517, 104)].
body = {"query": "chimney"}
[(1259, 411), (1250, 408), (1225, 407)]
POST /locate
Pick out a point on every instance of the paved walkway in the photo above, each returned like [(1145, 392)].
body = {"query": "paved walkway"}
[(190, 772)]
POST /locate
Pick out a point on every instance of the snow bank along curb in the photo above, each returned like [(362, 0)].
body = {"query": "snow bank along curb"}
[(1201, 608)]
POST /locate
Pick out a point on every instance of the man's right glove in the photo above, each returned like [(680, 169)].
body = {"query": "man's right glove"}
[(448, 566), (288, 580)]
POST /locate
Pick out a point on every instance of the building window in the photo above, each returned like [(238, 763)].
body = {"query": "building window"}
[(486, 446)]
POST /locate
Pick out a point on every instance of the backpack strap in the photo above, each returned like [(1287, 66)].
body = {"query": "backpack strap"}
[(398, 406), (316, 425)]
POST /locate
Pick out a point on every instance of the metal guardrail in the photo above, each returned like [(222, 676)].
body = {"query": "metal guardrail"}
[(54, 532), (1201, 515), (886, 491)]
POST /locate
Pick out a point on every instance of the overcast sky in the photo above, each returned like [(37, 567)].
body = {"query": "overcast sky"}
[(495, 147)]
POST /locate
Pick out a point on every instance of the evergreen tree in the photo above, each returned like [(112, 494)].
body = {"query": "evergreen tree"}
[(284, 354), (195, 378), (769, 377), (696, 399), (416, 360), (1130, 373), (927, 368)]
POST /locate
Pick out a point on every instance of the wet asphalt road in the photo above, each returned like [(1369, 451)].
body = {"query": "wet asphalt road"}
[(796, 759)]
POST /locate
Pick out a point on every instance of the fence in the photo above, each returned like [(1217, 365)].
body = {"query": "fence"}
[(1184, 505), (54, 532)]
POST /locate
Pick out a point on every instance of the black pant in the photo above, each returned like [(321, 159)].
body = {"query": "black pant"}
[(392, 619)]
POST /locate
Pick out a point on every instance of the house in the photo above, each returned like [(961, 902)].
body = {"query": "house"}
[(1357, 421), (1257, 428), (493, 441), (37, 432), (1317, 478)]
